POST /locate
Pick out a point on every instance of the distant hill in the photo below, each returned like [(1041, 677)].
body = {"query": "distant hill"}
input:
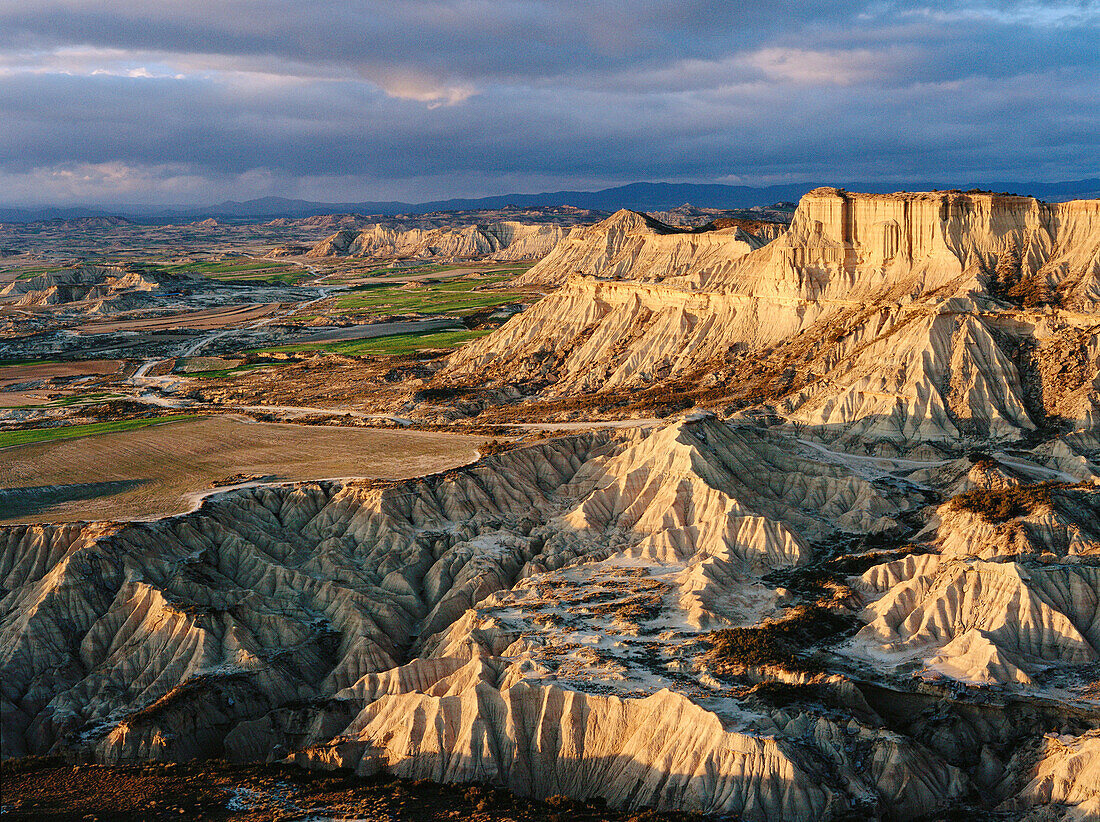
[(635, 196)]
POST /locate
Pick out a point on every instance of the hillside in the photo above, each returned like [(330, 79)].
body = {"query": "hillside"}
[(903, 318), (634, 246), (774, 525), (506, 240), (633, 616)]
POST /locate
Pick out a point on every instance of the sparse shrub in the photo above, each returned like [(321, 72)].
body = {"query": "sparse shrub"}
[(472, 794), (782, 694), (490, 447), (982, 460), (1003, 504), (776, 643)]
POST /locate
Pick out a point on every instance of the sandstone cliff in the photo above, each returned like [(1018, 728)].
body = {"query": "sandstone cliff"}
[(898, 317)]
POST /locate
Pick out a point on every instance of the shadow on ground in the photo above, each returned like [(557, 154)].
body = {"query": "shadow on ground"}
[(20, 503)]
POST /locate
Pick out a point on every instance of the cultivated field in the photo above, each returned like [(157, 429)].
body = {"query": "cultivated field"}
[(159, 469), (29, 370), (205, 319)]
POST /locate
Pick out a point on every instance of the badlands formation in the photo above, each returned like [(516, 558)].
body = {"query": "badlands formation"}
[(505, 240), (634, 246), (88, 289), (865, 585), (92, 288)]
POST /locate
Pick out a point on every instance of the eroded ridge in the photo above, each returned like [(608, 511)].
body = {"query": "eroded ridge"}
[(897, 319), (701, 615)]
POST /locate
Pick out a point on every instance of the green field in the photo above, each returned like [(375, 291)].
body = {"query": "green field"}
[(242, 271), (9, 363), (79, 399), (395, 345), (223, 373), (68, 432), (454, 297)]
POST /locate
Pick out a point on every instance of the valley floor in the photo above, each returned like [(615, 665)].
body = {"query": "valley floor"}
[(166, 468)]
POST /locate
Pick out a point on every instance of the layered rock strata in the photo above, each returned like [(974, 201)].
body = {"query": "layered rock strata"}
[(898, 318), (542, 620), (506, 240)]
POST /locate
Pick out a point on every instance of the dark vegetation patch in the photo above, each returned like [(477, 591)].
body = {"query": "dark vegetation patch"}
[(750, 226), (844, 555), (490, 447), (1002, 504), (441, 393), (781, 641), (982, 460), (44, 788), (1012, 284), (121, 409)]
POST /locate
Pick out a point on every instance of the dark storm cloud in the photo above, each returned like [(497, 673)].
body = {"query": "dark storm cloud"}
[(330, 99)]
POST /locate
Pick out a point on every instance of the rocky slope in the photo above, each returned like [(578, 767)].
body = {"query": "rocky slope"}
[(634, 246), (98, 287), (899, 318), (868, 588), (505, 240), (702, 615)]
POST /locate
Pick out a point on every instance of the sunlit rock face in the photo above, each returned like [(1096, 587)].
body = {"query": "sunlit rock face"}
[(871, 593), (904, 319), (540, 620), (506, 240), (842, 245), (633, 246)]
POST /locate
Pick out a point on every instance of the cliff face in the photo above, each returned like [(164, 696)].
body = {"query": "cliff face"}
[(905, 317), (507, 240), (842, 246)]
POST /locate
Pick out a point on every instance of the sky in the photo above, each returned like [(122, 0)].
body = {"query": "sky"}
[(188, 101)]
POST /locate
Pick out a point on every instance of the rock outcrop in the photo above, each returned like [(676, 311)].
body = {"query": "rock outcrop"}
[(630, 245), (506, 240), (899, 318), (542, 621), (104, 287)]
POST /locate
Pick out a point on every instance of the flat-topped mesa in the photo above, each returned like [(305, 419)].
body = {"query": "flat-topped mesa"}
[(842, 244)]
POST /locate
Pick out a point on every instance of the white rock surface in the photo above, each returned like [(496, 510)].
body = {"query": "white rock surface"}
[(505, 240)]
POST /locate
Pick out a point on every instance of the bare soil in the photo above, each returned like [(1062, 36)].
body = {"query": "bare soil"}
[(207, 319), (47, 790), (157, 471), (12, 374)]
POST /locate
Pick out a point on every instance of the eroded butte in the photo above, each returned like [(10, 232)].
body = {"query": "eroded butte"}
[(864, 584)]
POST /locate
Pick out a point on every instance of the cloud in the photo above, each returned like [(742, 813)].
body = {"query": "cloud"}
[(176, 101), (413, 86)]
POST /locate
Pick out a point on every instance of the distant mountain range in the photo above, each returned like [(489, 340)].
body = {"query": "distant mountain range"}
[(637, 196)]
